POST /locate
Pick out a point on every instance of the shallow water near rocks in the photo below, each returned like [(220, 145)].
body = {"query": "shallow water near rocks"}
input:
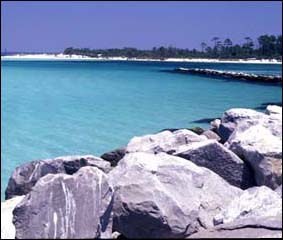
[(55, 108)]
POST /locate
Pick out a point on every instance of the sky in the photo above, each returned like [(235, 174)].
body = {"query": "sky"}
[(53, 26)]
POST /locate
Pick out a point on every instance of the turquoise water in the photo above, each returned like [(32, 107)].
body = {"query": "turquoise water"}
[(52, 108)]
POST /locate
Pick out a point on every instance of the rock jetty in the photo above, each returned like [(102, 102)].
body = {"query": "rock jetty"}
[(230, 74), (221, 182)]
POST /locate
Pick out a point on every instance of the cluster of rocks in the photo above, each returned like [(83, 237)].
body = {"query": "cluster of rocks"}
[(218, 183), (229, 74)]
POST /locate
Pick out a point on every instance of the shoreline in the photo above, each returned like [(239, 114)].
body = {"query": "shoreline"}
[(62, 57)]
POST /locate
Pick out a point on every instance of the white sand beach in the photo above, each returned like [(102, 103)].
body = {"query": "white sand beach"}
[(64, 57)]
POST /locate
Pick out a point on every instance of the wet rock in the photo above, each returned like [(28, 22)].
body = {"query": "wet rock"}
[(197, 130), (170, 129), (114, 156)]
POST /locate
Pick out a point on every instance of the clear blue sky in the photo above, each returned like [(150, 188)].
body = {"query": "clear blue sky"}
[(53, 26)]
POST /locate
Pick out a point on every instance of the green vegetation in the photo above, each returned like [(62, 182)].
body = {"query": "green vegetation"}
[(266, 46)]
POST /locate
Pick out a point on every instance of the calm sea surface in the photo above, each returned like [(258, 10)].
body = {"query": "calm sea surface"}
[(54, 108)]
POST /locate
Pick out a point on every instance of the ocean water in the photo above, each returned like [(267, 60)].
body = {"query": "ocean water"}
[(56, 108)]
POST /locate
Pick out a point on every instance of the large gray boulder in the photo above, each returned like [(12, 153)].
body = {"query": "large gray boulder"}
[(8, 230), (233, 117), (67, 206), (217, 158), (163, 196), (262, 149), (26, 175), (258, 141), (268, 227), (165, 141), (252, 203)]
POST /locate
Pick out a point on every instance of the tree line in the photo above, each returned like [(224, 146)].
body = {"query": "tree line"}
[(265, 46)]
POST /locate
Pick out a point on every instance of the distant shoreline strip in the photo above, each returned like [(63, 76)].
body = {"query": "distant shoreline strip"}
[(62, 57)]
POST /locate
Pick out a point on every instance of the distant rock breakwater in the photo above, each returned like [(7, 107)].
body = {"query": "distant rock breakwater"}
[(230, 174), (230, 74)]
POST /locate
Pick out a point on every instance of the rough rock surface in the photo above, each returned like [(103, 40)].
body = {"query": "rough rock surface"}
[(197, 130), (270, 227), (25, 176), (215, 124), (211, 135), (273, 109), (262, 150), (216, 157), (162, 196), (231, 119), (253, 202), (8, 230), (67, 206), (259, 142), (165, 141), (279, 191), (114, 156), (230, 74)]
